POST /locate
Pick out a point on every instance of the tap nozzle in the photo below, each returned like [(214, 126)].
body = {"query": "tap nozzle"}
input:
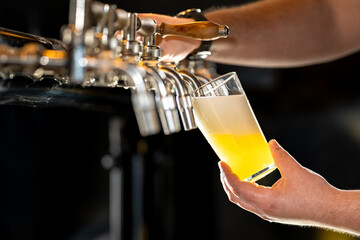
[(165, 102), (142, 100), (193, 81), (183, 98)]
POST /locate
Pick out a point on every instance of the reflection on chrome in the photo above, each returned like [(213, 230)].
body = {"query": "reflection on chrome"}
[(106, 47)]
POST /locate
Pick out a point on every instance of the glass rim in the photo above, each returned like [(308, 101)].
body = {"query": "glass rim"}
[(212, 81)]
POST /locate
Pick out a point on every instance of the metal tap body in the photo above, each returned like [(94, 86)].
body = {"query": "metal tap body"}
[(106, 47)]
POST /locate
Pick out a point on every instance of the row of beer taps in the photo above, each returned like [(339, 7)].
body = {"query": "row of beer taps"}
[(103, 46)]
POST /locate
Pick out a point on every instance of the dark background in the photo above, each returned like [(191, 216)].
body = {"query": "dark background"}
[(52, 185)]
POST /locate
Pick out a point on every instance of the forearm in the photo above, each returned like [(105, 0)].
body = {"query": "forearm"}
[(344, 212), (283, 33)]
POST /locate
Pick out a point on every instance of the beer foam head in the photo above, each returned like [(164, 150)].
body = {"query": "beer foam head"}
[(225, 115)]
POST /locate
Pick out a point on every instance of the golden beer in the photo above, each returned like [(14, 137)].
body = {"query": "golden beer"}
[(229, 125)]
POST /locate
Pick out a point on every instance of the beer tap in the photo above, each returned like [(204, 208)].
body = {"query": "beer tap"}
[(183, 98), (131, 50), (155, 80), (142, 100), (73, 36), (151, 52), (108, 20), (165, 101), (99, 48), (190, 78)]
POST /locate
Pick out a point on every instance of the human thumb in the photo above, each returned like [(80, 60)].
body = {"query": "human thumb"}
[(283, 160)]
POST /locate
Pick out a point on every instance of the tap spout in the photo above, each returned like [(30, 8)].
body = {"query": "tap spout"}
[(165, 101), (143, 103), (183, 98), (193, 81), (142, 100)]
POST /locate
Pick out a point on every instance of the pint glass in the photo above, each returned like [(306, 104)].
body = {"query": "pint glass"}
[(224, 116)]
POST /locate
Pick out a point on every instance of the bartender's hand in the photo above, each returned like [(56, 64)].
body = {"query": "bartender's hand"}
[(173, 48), (300, 197)]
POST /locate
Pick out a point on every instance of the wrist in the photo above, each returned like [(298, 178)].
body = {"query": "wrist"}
[(345, 205)]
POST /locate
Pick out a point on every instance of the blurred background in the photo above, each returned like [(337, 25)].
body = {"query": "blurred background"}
[(53, 186)]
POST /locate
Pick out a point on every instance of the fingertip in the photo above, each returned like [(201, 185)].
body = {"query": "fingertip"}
[(230, 177), (274, 144), (219, 164), (226, 171), (223, 163), (275, 148), (283, 160), (224, 167)]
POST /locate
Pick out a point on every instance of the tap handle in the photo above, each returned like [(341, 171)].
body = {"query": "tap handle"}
[(202, 30)]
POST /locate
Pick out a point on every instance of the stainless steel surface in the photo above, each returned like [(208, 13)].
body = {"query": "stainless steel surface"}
[(106, 47), (165, 102), (193, 81), (183, 99)]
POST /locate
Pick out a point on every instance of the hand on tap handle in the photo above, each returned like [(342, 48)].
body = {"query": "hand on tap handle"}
[(180, 36), (173, 48)]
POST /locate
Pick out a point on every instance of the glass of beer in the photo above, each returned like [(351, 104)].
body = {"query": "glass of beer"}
[(224, 116)]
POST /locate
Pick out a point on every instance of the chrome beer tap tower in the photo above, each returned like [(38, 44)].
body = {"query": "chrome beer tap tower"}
[(104, 47)]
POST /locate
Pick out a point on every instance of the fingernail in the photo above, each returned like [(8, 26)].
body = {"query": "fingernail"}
[(274, 143)]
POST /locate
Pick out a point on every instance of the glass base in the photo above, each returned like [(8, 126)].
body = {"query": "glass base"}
[(260, 174)]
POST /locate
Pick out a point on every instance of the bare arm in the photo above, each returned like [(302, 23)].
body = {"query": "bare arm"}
[(288, 33), (300, 197), (279, 33)]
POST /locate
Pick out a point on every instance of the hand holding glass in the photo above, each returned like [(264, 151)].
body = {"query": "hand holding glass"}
[(224, 116)]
